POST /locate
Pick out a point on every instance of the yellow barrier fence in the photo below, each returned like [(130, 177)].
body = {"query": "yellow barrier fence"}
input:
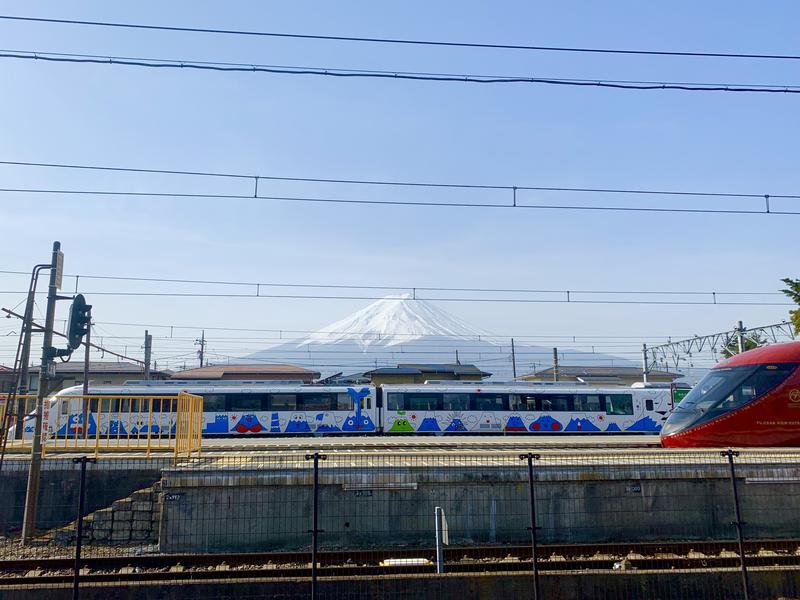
[(148, 424), (9, 405), (189, 425)]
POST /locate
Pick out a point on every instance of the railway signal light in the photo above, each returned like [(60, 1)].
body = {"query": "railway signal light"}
[(78, 321)]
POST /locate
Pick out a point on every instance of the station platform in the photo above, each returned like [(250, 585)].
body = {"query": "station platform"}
[(254, 446)]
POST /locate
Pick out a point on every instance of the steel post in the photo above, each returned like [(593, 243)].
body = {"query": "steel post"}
[(79, 530), (738, 523), (315, 530), (85, 402), (439, 515), (530, 457)]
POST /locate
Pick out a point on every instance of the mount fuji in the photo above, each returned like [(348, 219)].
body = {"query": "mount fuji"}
[(401, 329)]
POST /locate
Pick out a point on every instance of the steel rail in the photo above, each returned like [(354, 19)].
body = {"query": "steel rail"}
[(363, 563)]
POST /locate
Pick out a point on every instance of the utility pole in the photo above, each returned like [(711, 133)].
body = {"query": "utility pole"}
[(740, 336), (513, 360), (48, 353), (25, 354), (202, 343), (458, 362), (555, 364), (148, 347), (644, 363)]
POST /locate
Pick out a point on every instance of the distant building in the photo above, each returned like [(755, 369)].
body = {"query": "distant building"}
[(623, 376), (6, 379), (420, 373), (100, 373), (253, 372)]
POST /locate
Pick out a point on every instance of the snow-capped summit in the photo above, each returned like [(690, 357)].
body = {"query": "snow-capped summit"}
[(392, 321), (404, 330)]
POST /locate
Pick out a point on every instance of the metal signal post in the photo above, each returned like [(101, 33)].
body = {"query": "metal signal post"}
[(34, 473)]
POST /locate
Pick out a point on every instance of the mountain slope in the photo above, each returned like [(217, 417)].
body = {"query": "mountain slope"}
[(399, 329)]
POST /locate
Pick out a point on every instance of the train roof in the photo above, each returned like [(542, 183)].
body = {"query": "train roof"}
[(788, 352)]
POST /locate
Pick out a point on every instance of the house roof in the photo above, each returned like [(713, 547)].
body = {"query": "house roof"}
[(579, 371), (447, 368), (254, 370), (95, 367), (429, 369)]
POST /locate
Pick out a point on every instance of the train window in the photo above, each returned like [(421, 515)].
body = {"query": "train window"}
[(283, 401), (422, 402), (588, 402), (756, 385), (619, 404), (214, 402), (394, 401), (554, 402), (315, 401), (488, 401), (244, 402), (456, 402), (523, 402), (344, 401), (648, 404)]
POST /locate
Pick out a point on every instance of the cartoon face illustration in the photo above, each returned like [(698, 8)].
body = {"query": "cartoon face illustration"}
[(248, 423), (401, 425), (515, 423), (545, 423), (358, 423), (456, 425), (297, 424)]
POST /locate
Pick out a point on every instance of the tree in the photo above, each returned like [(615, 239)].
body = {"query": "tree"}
[(792, 290), (750, 341)]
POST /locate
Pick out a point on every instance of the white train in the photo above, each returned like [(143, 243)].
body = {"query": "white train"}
[(275, 408)]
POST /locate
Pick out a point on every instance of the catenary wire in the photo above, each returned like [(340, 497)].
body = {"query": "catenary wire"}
[(400, 287), (433, 299), (402, 41), (427, 203), (398, 183), (60, 57)]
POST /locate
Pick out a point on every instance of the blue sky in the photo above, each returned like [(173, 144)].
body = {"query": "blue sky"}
[(319, 127)]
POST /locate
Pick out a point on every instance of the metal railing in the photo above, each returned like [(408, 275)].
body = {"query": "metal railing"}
[(104, 423)]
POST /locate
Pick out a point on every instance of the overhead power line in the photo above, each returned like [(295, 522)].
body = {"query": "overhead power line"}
[(404, 41), (433, 299), (409, 288), (158, 63), (401, 183), (427, 203)]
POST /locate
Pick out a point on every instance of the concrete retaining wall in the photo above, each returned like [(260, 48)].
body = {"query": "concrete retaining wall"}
[(266, 510), (108, 480)]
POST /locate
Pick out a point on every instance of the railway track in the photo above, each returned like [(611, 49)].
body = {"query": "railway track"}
[(176, 568)]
